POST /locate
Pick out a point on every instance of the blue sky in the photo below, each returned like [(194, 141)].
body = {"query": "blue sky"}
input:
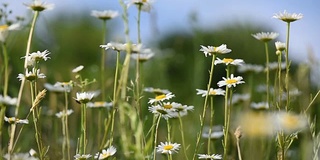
[(174, 15)]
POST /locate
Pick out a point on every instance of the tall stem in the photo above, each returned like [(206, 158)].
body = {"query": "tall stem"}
[(156, 137), (287, 66), (267, 72), (226, 118), (210, 125), (182, 137), (204, 107), (103, 58), (6, 71)]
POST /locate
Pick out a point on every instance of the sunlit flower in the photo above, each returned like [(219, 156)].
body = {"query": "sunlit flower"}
[(37, 5), (208, 156), (168, 147), (179, 110), (35, 57), (222, 49), (227, 61), (59, 87), (99, 104), (156, 91), (212, 92), (250, 68), (5, 29), (265, 36), (232, 81), (7, 100), (84, 97), (13, 120), (104, 15), (106, 153), (32, 75), (19, 156), (82, 157), (288, 17), (64, 113), (165, 111), (145, 5), (280, 46), (260, 105), (143, 57), (77, 69), (115, 46), (161, 98), (216, 132), (237, 98)]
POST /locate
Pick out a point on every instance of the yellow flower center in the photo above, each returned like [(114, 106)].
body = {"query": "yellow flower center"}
[(98, 103), (227, 60), (212, 93), (3, 27), (167, 106), (12, 119), (160, 97), (290, 121), (105, 155), (168, 147), (231, 81)]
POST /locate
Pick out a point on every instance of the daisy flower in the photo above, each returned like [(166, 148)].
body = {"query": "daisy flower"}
[(209, 50), (161, 98), (178, 109), (77, 69), (18, 156), (260, 105), (7, 100), (237, 98), (115, 46), (229, 82), (144, 4), (156, 91), (288, 17), (280, 46), (82, 157), (216, 132), (84, 97), (5, 29), (275, 65), (32, 75), (212, 92), (59, 87), (289, 122), (208, 156), (265, 36), (37, 5), (250, 68), (106, 153), (135, 48), (165, 111), (99, 104), (227, 61), (143, 57), (35, 57), (64, 113), (104, 15), (168, 147), (13, 120)]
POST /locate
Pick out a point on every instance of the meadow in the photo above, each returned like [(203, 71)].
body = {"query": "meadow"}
[(79, 93)]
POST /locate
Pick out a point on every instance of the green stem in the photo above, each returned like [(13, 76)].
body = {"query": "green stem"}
[(103, 58), (66, 125), (35, 16), (182, 137), (226, 118), (155, 137), (6, 71), (83, 130), (279, 80), (267, 72), (204, 107), (287, 66)]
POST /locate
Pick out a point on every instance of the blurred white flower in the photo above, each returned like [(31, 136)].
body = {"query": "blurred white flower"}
[(227, 61), (288, 17), (7, 100), (64, 113), (161, 98), (212, 92), (38, 5), (208, 156), (265, 36), (13, 120), (84, 97), (106, 153), (104, 15), (209, 50), (77, 69), (5, 29)]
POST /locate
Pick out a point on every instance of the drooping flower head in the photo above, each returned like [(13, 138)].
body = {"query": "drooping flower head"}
[(280, 47), (209, 50), (165, 111), (288, 17), (265, 36), (104, 15), (38, 5), (231, 81), (35, 57), (168, 147), (144, 56), (32, 75)]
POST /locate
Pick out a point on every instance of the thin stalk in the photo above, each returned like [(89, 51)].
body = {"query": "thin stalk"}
[(210, 125), (35, 17), (66, 125), (83, 130), (238, 148), (103, 58), (155, 137), (267, 72), (182, 137), (287, 66), (138, 66), (169, 136), (6, 71), (204, 107), (226, 119), (279, 80)]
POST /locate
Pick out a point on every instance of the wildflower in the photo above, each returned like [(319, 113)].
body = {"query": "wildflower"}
[(179, 110), (106, 153), (288, 17), (212, 92), (250, 68), (260, 105), (115, 46), (232, 81), (156, 91), (144, 5), (7, 100), (222, 49), (216, 132), (289, 122), (12, 120), (64, 113), (265, 36), (104, 15), (227, 61), (35, 57), (238, 133), (168, 147), (280, 46), (32, 152), (165, 111), (82, 157), (19, 156), (99, 104), (161, 98), (84, 97), (37, 5), (134, 48), (237, 98), (207, 156), (32, 75), (275, 65), (5, 29), (59, 87), (77, 69), (143, 56)]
